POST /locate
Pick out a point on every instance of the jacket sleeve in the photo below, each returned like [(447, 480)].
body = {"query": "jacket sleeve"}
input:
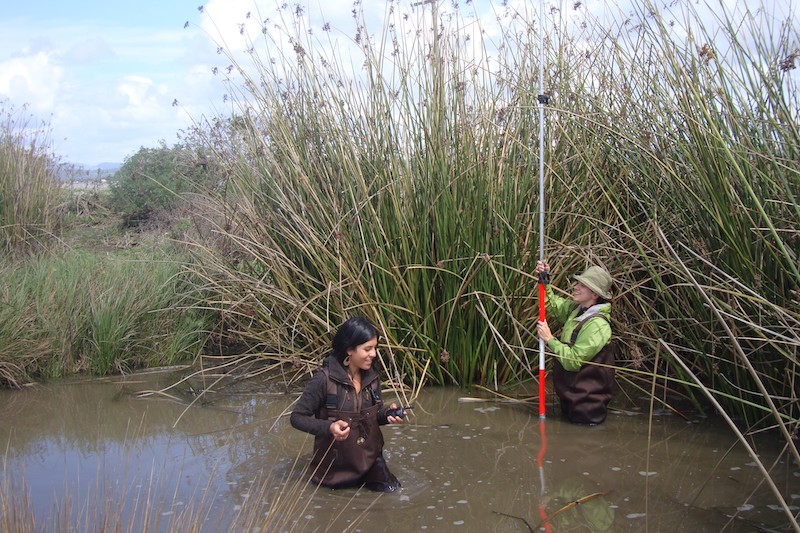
[(311, 401), (594, 334)]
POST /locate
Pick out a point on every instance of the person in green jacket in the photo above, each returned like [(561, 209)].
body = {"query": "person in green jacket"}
[(583, 371)]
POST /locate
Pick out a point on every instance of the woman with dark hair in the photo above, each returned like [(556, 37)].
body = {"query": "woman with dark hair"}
[(342, 407)]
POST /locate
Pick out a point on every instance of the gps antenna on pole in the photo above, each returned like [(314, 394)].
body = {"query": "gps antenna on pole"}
[(543, 277)]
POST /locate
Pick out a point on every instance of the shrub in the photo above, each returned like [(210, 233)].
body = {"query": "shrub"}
[(157, 178)]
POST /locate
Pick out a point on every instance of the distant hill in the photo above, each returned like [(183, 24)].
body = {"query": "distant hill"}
[(71, 172), (113, 167)]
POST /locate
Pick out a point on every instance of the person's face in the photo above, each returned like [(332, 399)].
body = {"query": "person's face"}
[(361, 356), (583, 295)]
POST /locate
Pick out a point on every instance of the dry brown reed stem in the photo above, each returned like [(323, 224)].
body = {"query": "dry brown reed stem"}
[(777, 415), (113, 505), (120, 504)]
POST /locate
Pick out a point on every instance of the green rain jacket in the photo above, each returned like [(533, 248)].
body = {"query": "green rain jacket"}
[(592, 336)]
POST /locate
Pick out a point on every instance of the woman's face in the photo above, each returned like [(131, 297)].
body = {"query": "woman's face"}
[(361, 356), (583, 295)]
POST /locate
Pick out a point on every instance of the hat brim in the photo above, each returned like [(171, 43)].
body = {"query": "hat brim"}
[(594, 288)]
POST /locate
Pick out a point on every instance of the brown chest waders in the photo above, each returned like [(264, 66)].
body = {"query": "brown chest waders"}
[(358, 459), (585, 394)]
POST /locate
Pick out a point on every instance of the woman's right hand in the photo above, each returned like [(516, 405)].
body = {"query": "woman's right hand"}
[(340, 430)]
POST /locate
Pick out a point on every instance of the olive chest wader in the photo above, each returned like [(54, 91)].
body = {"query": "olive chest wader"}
[(358, 459), (585, 394)]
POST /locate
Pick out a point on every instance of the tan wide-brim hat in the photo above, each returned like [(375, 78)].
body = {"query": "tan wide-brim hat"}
[(598, 280)]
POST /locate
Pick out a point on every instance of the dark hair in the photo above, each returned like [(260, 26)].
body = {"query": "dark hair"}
[(355, 331)]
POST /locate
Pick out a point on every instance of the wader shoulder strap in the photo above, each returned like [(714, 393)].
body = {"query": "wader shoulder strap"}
[(332, 394), (580, 324)]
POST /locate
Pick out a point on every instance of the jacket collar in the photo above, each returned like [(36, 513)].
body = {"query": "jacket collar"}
[(581, 315), (593, 310), (338, 373)]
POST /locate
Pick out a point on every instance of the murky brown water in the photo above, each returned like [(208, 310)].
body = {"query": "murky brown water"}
[(90, 449)]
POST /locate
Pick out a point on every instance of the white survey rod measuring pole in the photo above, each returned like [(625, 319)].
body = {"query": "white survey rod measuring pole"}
[(542, 100)]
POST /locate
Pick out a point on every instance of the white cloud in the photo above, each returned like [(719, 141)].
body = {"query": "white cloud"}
[(135, 89), (32, 79), (106, 90)]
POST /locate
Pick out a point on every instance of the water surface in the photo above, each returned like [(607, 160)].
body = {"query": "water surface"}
[(81, 451)]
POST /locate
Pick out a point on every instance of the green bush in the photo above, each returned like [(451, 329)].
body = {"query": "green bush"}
[(156, 178)]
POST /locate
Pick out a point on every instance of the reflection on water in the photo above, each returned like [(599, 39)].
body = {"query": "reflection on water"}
[(464, 466)]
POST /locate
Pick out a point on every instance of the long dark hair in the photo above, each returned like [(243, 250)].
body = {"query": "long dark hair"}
[(355, 331)]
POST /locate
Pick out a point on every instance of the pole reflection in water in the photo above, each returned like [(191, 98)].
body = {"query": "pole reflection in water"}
[(540, 463), (464, 466)]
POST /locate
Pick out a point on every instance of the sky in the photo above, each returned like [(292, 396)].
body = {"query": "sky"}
[(111, 77), (105, 74), (108, 78)]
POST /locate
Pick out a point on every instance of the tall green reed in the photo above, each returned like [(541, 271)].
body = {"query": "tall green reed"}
[(363, 196), (708, 172), (29, 187), (407, 191), (690, 170)]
